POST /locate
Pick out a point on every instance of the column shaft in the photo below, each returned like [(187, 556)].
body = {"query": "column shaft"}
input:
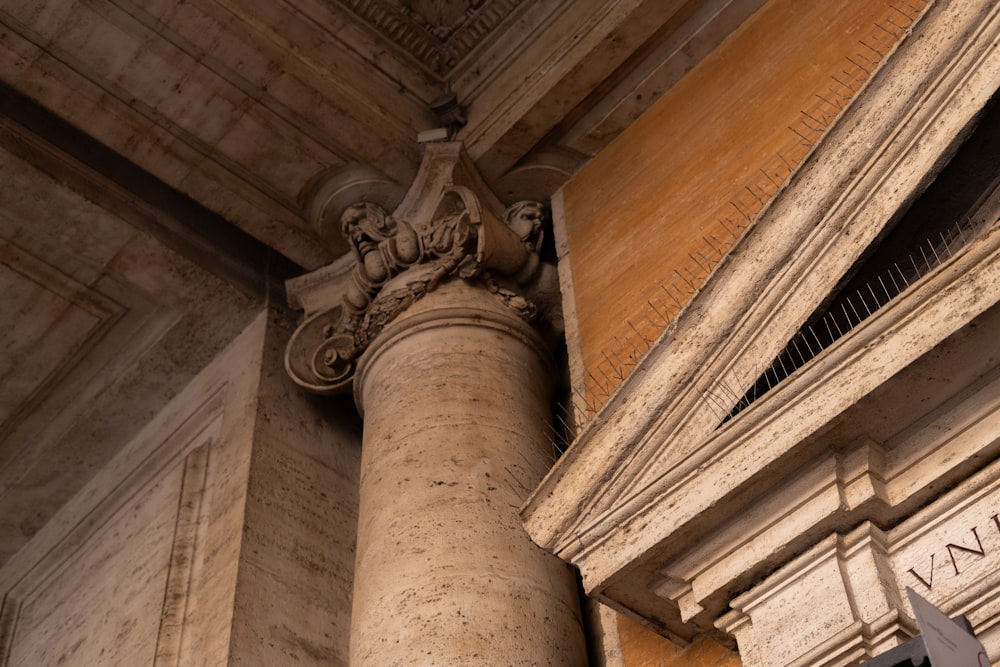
[(455, 396)]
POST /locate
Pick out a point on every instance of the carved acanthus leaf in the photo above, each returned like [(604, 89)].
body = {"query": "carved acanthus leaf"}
[(397, 261)]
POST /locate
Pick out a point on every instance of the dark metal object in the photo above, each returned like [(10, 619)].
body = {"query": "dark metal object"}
[(912, 653)]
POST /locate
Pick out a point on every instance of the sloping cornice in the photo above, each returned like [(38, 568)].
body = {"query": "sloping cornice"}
[(641, 481)]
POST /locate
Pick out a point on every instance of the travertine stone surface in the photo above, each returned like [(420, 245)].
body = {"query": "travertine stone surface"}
[(222, 534), (293, 595), (455, 399)]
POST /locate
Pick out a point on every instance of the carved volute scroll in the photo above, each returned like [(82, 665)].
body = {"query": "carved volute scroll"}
[(399, 257)]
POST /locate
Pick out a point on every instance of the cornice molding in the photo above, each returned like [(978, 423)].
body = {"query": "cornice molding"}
[(437, 37), (651, 473)]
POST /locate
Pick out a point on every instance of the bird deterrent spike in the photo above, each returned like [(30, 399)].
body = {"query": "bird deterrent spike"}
[(934, 250), (639, 334), (892, 277), (672, 297), (805, 341), (864, 303), (593, 378), (819, 344), (926, 261), (836, 325), (877, 304), (901, 276), (855, 310), (658, 314), (614, 369)]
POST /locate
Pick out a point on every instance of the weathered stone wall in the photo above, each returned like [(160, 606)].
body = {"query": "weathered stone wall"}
[(161, 558), (293, 597)]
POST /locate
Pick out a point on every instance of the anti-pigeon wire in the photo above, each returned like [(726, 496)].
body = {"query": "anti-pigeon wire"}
[(656, 310), (781, 362), (689, 283), (593, 378), (567, 431), (853, 310), (895, 285), (961, 232), (666, 308), (805, 341), (888, 296), (582, 397), (767, 380), (829, 331), (864, 303), (819, 344), (947, 244), (672, 297), (692, 275), (722, 221), (595, 405), (562, 412), (877, 304), (802, 359), (712, 405), (712, 245), (902, 276), (614, 369), (695, 260), (750, 382), (639, 334), (657, 328), (768, 176), (611, 382), (622, 346), (734, 395), (718, 400), (836, 325), (555, 447), (926, 261), (934, 250)]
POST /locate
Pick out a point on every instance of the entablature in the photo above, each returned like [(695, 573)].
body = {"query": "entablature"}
[(663, 487)]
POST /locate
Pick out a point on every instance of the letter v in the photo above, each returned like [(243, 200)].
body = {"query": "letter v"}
[(926, 582)]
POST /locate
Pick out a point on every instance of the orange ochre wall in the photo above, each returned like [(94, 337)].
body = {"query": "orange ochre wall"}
[(644, 648), (649, 217)]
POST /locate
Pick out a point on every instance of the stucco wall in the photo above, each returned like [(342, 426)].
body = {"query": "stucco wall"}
[(646, 221)]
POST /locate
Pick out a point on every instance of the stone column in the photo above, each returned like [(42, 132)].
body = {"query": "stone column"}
[(455, 394), (433, 323)]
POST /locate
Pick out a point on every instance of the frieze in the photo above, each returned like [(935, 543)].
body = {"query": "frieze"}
[(957, 554)]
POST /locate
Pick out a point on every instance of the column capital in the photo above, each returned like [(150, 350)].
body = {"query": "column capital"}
[(449, 226)]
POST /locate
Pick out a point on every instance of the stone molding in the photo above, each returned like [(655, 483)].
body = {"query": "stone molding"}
[(862, 574), (448, 226), (439, 39), (178, 461), (655, 481)]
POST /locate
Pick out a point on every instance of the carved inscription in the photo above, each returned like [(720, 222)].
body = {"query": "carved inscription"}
[(960, 555)]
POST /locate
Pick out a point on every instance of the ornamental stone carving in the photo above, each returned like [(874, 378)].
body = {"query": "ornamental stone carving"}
[(396, 258)]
